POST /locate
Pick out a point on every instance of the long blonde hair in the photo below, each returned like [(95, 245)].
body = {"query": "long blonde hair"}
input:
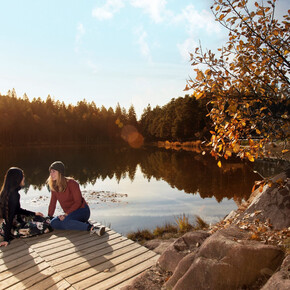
[(58, 185)]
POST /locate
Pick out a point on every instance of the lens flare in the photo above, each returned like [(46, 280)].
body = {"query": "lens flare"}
[(131, 135)]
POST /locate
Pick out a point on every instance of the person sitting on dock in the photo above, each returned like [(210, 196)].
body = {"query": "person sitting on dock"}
[(11, 211), (67, 192)]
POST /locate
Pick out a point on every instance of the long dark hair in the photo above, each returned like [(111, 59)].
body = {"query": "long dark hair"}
[(12, 180)]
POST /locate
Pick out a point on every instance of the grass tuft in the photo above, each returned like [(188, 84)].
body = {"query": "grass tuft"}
[(169, 230), (200, 224), (183, 224), (141, 235)]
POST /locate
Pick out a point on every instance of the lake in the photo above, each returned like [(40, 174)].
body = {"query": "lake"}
[(130, 189)]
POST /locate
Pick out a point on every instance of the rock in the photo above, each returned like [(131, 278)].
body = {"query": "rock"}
[(281, 279), (241, 253), (152, 279), (230, 215), (158, 246), (224, 263), (273, 204), (181, 269), (180, 248)]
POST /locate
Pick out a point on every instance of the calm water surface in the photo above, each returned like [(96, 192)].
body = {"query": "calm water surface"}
[(130, 189)]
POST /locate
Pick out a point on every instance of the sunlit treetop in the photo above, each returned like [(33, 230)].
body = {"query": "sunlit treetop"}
[(247, 83)]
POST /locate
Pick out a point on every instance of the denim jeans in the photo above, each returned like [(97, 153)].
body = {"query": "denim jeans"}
[(76, 220)]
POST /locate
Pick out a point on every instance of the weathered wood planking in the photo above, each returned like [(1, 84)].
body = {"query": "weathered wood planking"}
[(73, 260)]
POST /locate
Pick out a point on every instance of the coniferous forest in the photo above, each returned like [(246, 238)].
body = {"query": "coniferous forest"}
[(41, 122)]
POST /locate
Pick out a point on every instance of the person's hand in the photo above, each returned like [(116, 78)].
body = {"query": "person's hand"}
[(39, 213), (4, 244), (62, 217)]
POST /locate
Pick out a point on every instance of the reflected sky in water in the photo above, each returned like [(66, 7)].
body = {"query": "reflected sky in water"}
[(152, 186), (148, 203)]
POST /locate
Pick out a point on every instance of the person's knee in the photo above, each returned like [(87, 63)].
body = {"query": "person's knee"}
[(55, 223)]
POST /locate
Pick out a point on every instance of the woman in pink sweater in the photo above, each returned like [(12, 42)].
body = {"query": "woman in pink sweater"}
[(67, 192)]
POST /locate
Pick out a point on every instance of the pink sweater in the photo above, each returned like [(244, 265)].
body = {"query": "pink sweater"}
[(70, 200)]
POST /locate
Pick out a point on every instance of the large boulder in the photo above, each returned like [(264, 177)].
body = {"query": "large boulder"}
[(184, 245), (272, 203), (226, 260), (281, 279)]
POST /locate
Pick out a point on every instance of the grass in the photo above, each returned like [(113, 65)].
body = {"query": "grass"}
[(181, 226)]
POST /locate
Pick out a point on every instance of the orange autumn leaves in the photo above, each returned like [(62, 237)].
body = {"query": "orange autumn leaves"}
[(247, 85)]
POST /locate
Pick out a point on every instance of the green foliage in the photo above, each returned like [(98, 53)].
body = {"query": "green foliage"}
[(52, 122), (180, 119)]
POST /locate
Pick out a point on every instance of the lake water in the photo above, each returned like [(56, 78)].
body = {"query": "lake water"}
[(130, 189)]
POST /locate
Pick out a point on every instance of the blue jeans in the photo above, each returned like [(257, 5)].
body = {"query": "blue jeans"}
[(76, 220)]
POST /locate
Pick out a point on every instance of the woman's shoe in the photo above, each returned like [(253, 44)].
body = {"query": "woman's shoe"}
[(98, 230)]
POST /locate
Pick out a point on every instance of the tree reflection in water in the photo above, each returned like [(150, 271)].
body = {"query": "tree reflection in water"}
[(188, 171), (158, 183)]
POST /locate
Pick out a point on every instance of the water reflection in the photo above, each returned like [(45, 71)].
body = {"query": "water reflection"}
[(183, 170), (159, 184)]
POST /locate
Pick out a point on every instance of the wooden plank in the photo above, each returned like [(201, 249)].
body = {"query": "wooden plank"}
[(60, 245), (13, 253), (16, 262), (89, 254), (59, 286), (106, 268), (125, 275), (22, 266), (16, 255), (55, 236), (40, 275), (72, 260), (10, 250), (77, 254), (57, 240), (54, 254), (126, 282), (32, 271), (103, 257), (74, 240), (53, 282)]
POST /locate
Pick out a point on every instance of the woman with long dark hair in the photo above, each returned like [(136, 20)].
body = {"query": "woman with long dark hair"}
[(10, 203), (67, 192)]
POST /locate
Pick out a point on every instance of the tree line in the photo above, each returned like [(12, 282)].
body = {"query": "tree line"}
[(40, 122), (182, 119)]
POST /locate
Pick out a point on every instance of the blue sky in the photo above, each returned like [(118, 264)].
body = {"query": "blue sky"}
[(113, 51)]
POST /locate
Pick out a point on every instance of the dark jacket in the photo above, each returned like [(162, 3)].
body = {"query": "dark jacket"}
[(14, 209)]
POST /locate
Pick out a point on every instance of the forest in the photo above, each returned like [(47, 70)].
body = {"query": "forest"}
[(43, 122)]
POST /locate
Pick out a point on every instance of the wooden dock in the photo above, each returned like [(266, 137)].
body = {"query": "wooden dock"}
[(73, 260)]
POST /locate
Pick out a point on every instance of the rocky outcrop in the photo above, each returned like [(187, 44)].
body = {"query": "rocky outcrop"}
[(281, 279), (226, 260), (244, 251), (272, 202), (159, 245), (184, 245)]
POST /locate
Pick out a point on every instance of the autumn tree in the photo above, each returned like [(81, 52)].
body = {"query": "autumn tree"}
[(247, 83)]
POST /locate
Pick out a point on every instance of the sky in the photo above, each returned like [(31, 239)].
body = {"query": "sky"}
[(131, 52)]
